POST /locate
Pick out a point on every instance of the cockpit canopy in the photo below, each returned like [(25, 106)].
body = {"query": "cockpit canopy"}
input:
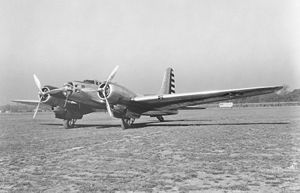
[(96, 82)]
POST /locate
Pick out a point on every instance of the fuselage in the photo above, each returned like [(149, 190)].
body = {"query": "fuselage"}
[(87, 93)]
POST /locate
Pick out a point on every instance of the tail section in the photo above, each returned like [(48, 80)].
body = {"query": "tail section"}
[(168, 84)]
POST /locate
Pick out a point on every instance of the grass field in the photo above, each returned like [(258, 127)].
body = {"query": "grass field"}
[(211, 150)]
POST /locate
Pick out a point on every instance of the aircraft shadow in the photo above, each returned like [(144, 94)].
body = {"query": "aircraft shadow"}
[(165, 124), (77, 126), (168, 123)]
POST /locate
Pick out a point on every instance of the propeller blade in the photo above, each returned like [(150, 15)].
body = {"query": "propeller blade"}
[(37, 83), (112, 74), (67, 97), (108, 108), (36, 110)]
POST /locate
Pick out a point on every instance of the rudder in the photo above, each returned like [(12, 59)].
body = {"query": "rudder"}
[(168, 83)]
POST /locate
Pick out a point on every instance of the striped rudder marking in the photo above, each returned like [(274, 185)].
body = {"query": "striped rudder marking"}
[(172, 82)]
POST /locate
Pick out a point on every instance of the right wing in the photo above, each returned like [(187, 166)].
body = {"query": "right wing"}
[(177, 101)]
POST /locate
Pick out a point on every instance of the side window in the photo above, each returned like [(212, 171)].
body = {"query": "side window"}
[(76, 88)]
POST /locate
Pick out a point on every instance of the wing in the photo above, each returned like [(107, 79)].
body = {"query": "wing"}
[(32, 102), (177, 101), (27, 102)]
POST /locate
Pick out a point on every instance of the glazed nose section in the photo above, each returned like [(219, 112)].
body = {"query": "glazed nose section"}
[(68, 89)]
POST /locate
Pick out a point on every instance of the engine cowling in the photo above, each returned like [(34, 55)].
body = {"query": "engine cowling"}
[(48, 99), (72, 113), (115, 93), (44, 97)]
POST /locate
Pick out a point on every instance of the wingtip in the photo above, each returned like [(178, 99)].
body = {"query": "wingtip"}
[(281, 90), (279, 87)]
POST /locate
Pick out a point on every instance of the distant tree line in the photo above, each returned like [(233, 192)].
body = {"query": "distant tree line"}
[(20, 108), (285, 96)]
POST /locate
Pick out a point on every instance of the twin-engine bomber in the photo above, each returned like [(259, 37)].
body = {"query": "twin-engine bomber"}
[(78, 98)]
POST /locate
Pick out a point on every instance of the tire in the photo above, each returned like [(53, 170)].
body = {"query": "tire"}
[(126, 123), (160, 118), (69, 123)]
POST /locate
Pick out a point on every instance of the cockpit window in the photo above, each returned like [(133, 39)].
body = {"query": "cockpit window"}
[(92, 82)]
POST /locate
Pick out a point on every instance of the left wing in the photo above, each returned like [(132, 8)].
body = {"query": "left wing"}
[(176, 101), (32, 102), (27, 102)]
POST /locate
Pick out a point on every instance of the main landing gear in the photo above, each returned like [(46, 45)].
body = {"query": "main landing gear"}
[(127, 122), (160, 118), (69, 123)]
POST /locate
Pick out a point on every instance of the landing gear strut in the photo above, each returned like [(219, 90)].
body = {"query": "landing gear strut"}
[(160, 118), (69, 123), (127, 122)]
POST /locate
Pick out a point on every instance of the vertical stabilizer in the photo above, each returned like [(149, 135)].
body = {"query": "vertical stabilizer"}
[(168, 84)]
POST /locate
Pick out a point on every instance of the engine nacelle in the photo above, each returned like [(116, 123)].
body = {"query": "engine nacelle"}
[(48, 99), (121, 111), (115, 93), (62, 113)]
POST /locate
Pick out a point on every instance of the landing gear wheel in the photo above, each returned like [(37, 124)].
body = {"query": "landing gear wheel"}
[(160, 118), (69, 123), (126, 123)]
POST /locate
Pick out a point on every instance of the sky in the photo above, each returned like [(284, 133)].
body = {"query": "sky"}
[(211, 44)]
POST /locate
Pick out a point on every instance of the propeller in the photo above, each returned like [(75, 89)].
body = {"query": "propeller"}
[(68, 88), (109, 79), (51, 92), (66, 101)]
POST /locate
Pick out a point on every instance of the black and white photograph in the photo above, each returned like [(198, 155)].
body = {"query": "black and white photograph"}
[(146, 96)]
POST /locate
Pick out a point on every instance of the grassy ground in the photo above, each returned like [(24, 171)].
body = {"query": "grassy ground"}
[(212, 150)]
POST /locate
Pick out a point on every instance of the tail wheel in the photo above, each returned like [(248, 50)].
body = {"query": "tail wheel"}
[(126, 123), (69, 123), (160, 118)]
